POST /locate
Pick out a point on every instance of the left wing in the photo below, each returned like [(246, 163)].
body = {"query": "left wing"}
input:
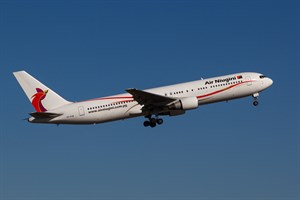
[(150, 100)]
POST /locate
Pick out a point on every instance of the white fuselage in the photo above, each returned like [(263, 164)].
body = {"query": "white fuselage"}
[(124, 106)]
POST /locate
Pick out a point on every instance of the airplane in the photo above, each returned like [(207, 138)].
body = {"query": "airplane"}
[(152, 103)]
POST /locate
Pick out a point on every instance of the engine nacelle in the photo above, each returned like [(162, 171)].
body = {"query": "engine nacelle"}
[(186, 103)]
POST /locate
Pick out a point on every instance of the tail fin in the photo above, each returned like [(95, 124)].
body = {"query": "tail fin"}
[(41, 97)]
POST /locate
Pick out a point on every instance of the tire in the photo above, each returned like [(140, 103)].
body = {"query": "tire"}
[(255, 103), (152, 121), (146, 123), (152, 124), (159, 121)]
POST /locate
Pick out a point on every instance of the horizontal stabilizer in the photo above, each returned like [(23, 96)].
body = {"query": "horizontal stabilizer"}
[(44, 115)]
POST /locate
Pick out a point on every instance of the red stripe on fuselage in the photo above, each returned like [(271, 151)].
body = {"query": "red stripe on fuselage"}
[(222, 90), (199, 97), (110, 98)]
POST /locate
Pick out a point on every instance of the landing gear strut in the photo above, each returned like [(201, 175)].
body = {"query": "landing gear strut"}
[(255, 97), (153, 121)]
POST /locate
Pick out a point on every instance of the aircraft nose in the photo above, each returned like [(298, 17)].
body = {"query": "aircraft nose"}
[(268, 82)]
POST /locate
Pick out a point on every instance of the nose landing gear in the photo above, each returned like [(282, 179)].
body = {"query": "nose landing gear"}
[(255, 97), (255, 103), (152, 122)]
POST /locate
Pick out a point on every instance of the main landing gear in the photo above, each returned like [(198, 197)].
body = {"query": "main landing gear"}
[(153, 121), (255, 97)]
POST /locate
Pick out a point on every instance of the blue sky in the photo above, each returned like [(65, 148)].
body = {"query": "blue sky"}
[(87, 49)]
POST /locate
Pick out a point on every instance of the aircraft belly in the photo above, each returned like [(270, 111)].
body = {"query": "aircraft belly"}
[(111, 115)]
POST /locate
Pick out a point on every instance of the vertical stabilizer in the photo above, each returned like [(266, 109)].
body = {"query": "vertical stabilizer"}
[(41, 97)]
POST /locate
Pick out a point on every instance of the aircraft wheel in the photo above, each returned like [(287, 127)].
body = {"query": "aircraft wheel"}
[(152, 124), (255, 103), (146, 123), (152, 121), (159, 121)]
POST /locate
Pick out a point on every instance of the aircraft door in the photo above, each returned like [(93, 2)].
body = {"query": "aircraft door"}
[(248, 79), (81, 111)]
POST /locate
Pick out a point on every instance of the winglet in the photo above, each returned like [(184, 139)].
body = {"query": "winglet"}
[(129, 90)]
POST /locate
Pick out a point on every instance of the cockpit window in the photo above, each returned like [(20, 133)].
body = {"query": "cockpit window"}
[(262, 76)]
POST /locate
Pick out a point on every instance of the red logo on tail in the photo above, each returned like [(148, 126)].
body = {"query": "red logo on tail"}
[(37, 100)]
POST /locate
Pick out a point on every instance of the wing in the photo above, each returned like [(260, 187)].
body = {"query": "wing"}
[(150, 100)]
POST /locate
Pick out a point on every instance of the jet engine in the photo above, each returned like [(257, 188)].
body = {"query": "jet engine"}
[(186, 103)]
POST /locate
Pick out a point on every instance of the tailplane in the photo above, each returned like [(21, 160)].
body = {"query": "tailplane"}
[(41, 97)]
